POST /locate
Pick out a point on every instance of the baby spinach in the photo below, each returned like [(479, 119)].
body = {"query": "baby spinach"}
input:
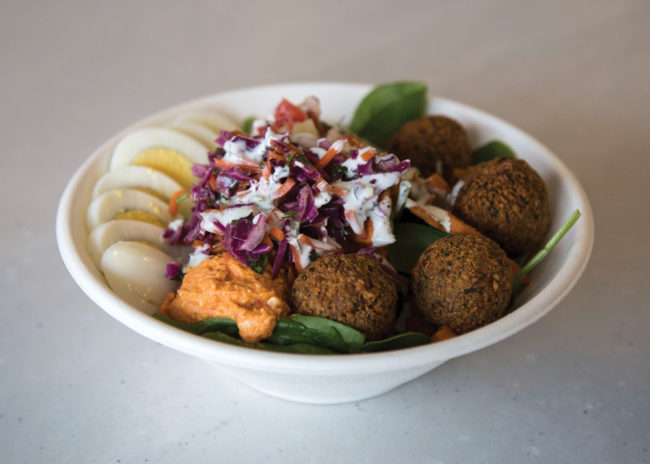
[(301, 348), (386, 108), (492, 150), (413, 239), (215, 324), (397, 342), (299, 334)]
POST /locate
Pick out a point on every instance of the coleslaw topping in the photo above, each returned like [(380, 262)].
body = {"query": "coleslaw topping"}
[(293, 190)]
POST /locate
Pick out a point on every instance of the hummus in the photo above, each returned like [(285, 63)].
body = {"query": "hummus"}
[(221, 286)]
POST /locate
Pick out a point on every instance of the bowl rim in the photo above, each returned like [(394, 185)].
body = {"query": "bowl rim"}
[(527, 314)]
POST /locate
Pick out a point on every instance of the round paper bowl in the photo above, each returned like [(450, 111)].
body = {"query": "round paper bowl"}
[(338, 378)]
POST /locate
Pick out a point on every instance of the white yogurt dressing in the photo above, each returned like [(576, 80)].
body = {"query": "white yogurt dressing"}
[(362, 199), (225, 217)]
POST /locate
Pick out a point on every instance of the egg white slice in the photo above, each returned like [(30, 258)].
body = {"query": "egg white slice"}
[(142, 177), (200, 132), (110, 204), (210, 118), (136, 272), (134, 143), (104, 235), (137, 177)]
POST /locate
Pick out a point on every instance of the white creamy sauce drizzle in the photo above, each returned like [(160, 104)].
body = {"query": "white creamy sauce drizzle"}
[(451, 198), (362, 196), (197, 256), (237, 151), (439, 214), (225, 217)]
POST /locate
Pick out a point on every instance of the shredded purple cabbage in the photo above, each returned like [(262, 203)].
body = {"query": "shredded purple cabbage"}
[(244, 238)]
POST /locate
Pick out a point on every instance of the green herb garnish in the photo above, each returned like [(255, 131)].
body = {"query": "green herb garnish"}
[(247, 125), (259, 263), (182, 197), (293, 156), (338, 170)]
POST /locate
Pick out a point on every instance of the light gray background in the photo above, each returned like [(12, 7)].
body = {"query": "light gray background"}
[(77, 386)]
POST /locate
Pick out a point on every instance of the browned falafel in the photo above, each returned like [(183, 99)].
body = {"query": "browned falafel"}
[(352, 289), (506, 200), (462, 281), (434, 144)]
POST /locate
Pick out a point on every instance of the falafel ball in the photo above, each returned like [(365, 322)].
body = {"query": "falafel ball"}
[(352, 289), (506, 200), (462, 281), (433, 144)]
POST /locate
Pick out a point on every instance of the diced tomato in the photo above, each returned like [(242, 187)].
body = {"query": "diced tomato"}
[(287, 113)]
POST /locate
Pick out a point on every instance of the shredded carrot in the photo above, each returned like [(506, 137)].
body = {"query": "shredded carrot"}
[(173, 206), (353, 220), (294, 149), (365, 237), (221, 164), (296, 257), (274, 155), (305, 240), (243, 164), (276, 234), (368, 155), (213, 182), (443, 333), (266, 171), (334, 150), (284, 188)]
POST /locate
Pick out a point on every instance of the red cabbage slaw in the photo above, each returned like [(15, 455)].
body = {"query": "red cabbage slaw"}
[(293, 191)]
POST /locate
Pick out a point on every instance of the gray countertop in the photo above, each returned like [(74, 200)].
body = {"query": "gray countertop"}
[(77, 386)]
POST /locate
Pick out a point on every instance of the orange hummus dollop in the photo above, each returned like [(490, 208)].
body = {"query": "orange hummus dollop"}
[(221, 286)]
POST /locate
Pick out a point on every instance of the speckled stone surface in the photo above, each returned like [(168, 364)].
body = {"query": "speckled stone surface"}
[(77, 386)]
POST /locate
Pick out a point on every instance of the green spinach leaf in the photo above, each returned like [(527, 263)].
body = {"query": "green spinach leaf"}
[(386, 108), (215, 324), (404, 340), (492, 150), (301, 348), (412, 240)]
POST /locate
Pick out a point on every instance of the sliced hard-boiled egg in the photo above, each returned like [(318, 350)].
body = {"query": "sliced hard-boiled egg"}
[(136, 272), (127, 204), (108, 233), (140, 177), (200, 132), (209, 118), (162, 149)]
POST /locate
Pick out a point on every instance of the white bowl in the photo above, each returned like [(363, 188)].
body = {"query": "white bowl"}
[(338, 378)]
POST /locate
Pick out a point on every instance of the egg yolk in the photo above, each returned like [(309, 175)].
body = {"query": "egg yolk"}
[(141, 215), (169, 162)]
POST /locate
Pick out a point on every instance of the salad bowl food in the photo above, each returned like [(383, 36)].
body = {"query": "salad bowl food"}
[(321, 378)]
